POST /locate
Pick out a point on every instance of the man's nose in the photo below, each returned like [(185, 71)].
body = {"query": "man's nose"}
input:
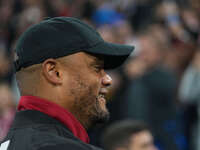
[(107, 80)]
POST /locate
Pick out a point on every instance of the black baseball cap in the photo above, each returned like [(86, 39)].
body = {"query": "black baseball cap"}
[(62, 36)]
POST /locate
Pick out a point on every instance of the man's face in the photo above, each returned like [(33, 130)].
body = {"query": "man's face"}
[(142, 141), (86, 84)]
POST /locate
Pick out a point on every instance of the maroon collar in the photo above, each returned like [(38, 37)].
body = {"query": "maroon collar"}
[(55, 111)]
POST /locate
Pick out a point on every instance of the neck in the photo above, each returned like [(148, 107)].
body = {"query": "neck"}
[(84, 120)]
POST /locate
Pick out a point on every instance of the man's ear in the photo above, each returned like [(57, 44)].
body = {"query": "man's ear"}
[(51, 71)]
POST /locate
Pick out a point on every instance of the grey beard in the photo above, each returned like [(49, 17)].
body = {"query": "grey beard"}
[(101, 116)]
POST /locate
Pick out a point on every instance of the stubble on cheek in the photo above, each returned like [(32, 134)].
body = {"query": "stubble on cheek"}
[(87, 108), (92, 110)]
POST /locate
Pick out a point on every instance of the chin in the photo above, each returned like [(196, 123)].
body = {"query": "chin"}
[(98, 121), (101, 117), (102, 114)]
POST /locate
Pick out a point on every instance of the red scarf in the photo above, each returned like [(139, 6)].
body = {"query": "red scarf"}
[(55, 111)]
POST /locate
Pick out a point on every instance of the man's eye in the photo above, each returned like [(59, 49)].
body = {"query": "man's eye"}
[(98, 68)]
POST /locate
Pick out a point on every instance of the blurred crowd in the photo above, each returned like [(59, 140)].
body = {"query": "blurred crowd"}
[(159, 84)]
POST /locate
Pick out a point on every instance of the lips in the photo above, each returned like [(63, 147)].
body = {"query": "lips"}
[(101, 101), (101, 97), (102, 94), (103, 91)]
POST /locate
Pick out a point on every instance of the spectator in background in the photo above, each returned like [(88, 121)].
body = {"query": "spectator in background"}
[(150, 95), (5, 66), (189, 94), (180, 20), (128, 135), (195, 5), (7, 109)]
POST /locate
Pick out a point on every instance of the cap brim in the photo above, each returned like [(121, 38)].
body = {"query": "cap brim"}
[(114, 54)]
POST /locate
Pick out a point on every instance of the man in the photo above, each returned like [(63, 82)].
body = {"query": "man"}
[(128, 135), (60, 66)]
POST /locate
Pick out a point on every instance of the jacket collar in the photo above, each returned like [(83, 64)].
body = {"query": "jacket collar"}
[(32, 118), (54, 111)]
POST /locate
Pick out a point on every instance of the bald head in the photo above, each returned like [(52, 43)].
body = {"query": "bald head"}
[(28, 79)]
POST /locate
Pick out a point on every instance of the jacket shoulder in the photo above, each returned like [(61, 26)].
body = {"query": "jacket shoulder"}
[(70, 145), (40, 140), (59, 143)]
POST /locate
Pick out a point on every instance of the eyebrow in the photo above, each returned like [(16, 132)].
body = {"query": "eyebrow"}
[(97, 59), (97, 63)]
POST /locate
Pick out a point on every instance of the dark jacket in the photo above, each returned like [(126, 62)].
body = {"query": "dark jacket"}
[(34, 130)]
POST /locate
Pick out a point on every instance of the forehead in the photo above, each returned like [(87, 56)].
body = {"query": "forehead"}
[(81, 59), (95, 57)]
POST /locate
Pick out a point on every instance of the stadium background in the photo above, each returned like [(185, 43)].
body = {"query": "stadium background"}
[(160, 83)]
